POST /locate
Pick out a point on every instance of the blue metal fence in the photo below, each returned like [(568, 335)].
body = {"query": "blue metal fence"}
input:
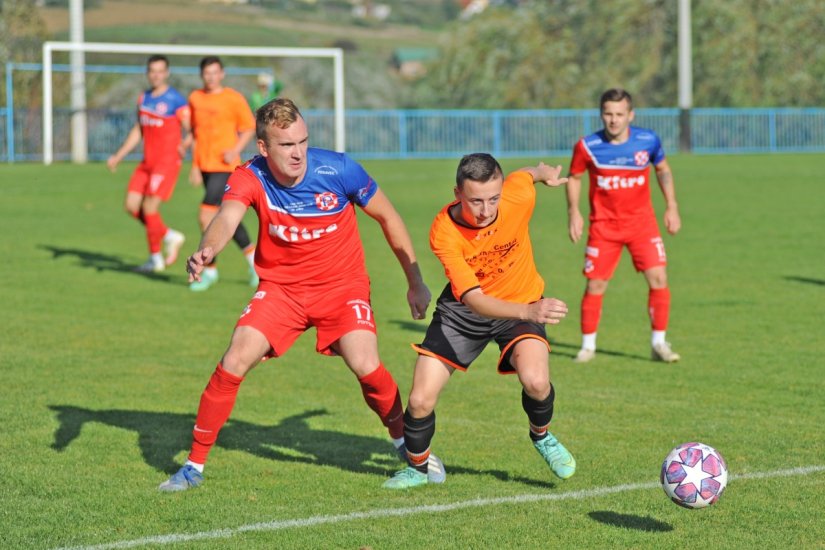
[(409, 134)]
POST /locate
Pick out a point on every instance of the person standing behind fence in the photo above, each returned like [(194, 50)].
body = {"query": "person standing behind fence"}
[(222, 125), (162, 113), (267, 88), (618, 158)]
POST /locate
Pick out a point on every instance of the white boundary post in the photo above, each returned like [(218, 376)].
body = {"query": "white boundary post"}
[(337, 54)]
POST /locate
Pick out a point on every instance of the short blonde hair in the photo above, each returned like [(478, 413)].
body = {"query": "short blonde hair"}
[(281, 112)]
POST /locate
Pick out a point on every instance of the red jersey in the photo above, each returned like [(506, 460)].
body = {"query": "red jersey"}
[(307, 233), (159, 118), (619, 173)]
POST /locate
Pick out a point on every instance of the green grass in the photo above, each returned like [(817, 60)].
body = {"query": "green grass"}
[(103, 368)]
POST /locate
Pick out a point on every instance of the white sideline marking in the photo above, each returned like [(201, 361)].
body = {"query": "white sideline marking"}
[(433, 508)]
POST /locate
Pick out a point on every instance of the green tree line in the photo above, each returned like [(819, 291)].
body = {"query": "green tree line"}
[(563, 54)]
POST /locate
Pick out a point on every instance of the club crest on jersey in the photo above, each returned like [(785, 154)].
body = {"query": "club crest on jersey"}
[(162, 108), (641, 158), (326, 201)]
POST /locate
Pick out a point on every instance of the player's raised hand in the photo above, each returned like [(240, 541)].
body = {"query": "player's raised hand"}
[(195, 176), (419, 297), (575, 225), (197, 261), (547, 310), (549, 175)]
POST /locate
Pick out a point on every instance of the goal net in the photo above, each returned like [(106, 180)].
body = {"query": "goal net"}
[(137, 54)]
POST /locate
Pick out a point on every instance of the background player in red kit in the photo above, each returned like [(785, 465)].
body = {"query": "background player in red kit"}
[(621, 214), (312, 273), (162, 113)]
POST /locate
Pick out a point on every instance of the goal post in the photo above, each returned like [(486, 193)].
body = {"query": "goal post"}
[(337, 55)]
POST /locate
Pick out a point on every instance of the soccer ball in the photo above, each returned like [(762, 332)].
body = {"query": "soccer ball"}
[(694, 475)]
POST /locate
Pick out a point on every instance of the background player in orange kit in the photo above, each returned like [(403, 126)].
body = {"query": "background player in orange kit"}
[(311, 263), (494, 293), (162, 113), (222, 125), (618, 158)]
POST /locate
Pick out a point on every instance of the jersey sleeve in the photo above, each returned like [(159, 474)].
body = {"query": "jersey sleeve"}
[(243, 114), (445, 245), (241, 186), (658, 151), (181, 107), (578, 164), (358, 185)]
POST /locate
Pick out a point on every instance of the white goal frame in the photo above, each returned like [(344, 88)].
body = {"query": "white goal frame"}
[(337, 54)]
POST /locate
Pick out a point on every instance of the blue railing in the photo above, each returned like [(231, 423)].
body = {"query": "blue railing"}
[(410, 134)]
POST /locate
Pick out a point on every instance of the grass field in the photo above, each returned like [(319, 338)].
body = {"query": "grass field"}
[(103, 369)]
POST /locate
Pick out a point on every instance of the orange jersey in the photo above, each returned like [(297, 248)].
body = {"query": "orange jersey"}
[(497, 258), (217, 118)]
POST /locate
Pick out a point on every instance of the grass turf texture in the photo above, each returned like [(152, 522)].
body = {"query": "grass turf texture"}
[(103, 368)]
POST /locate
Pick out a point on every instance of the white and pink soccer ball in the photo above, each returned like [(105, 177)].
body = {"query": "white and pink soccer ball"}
[(694, 475)]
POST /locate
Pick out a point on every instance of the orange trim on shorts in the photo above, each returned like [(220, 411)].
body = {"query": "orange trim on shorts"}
[(210, 207), (428, 353), (511, 344)]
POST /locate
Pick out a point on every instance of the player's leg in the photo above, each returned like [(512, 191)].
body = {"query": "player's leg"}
[(246, 349), (162, 185), (429, 378), (214, 185), (530, 359), (155, 230), (649, 257), (601, 258)]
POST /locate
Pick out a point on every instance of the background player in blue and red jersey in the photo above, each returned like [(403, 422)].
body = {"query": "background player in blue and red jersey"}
[(162, 114), (312, 274), (618, 158)]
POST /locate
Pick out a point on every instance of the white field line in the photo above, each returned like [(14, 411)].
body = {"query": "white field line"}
[(428, 509)]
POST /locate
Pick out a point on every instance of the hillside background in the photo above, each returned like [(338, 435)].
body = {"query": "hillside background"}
[(512, 55)]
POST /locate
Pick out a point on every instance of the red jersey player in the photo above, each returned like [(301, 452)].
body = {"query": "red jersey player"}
[(621, 214), (162, 113), (312, 273)]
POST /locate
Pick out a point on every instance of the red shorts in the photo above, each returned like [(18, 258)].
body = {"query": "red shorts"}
[(159, 180), (284, 312), (607, 239)]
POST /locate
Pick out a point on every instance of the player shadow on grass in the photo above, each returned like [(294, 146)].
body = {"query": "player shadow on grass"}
[(630, 521), (576, 347), (101, 262), (162, 436), (809, 280)]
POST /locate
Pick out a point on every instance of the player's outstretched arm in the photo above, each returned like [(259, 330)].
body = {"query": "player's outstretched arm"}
[(131, 141), (395, 232), (673, 222), (547, 310), (548, 175), (217, 234)]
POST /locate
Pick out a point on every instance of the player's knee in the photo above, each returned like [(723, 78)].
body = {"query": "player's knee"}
[(596, 286), (421, 404), (537, 387)]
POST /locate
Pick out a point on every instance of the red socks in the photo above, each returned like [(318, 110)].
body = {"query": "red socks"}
[(381, 394), (658, 303), (591, 312), (216, 404), (155, 230)]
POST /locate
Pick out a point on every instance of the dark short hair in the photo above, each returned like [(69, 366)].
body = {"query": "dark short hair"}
[(281, 112), (210, 60), (156, 58), (616, 94), (477, 167)]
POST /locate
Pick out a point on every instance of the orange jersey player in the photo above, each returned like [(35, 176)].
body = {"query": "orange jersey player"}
[(618, 159), (494, 294), (311, 263), (162, 115), (222, 125)]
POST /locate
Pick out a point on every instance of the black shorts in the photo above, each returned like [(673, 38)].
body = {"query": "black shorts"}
[(214, 184), (457, 336)]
